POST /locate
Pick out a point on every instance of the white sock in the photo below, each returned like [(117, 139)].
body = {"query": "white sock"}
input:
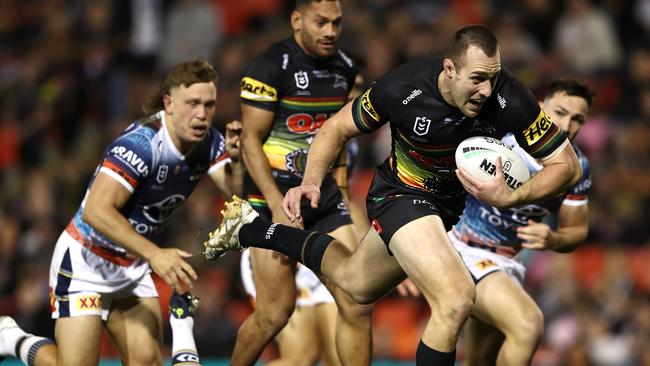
[(30, 346), (183, 347), (10, 337)]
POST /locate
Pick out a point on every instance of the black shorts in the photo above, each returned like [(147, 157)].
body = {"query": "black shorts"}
[(392, 205), (331, 213)]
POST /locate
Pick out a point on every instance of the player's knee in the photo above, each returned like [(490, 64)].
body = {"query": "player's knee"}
[(145, 356), (361, 291), (353, 310), (274, 317), (454, 306), (530, 326), (361, 295)]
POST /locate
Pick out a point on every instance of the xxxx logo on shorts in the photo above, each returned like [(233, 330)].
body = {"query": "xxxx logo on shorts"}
[(88, 302), (485, 263)]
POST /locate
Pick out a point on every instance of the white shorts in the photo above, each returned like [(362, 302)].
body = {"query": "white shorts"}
[(311, 291), (481, 262), (85, 283)]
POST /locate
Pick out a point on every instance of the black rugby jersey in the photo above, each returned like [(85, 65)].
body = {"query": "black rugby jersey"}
[(302, 91), (426, 130)]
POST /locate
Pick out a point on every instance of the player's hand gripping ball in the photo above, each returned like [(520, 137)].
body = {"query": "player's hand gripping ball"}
[(478, 155)]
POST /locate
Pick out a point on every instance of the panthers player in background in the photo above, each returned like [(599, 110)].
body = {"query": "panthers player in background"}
[(100, 270), (287, 93), (506, 325)]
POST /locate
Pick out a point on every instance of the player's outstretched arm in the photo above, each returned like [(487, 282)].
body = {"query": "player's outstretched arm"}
[(105, 198), (327, 145)]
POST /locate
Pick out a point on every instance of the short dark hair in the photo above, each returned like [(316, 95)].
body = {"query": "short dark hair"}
[(571, 87), (471, 35), (301, 3), (186, 74)]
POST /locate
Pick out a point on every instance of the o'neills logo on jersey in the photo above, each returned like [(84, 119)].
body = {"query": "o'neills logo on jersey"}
[(258, 91), (367, 105), (412, 96), (538, 128), (132, 158)]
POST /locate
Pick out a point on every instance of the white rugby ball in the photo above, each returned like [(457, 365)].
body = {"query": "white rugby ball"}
[(478, 155)]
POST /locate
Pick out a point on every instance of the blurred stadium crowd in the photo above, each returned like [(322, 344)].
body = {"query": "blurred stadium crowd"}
[(74, 73)]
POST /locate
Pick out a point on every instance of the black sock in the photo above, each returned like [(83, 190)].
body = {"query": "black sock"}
[(306, 247), (427, 356)]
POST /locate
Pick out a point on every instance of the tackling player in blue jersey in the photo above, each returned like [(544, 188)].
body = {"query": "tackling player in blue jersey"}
[(100, 270), (506, 324)]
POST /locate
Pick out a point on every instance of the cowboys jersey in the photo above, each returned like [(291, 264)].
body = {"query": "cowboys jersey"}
[(147, 163)]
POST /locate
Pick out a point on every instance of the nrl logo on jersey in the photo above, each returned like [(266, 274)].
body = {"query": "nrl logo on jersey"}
[(302, 79), (421, 126), (162, 173)]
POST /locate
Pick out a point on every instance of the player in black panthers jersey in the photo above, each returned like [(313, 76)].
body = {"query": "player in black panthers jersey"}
[(287, 94), (417, 194)]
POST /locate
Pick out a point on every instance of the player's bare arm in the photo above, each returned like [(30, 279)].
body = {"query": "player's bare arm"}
[(327, 145), (340, 174), (105, 198), (229, 178), (573, 225), (257, 124), (561, 171)]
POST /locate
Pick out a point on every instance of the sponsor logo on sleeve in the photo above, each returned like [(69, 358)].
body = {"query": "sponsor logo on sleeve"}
[(131, 158), (258, 91), (538, 128), (367, 105)]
